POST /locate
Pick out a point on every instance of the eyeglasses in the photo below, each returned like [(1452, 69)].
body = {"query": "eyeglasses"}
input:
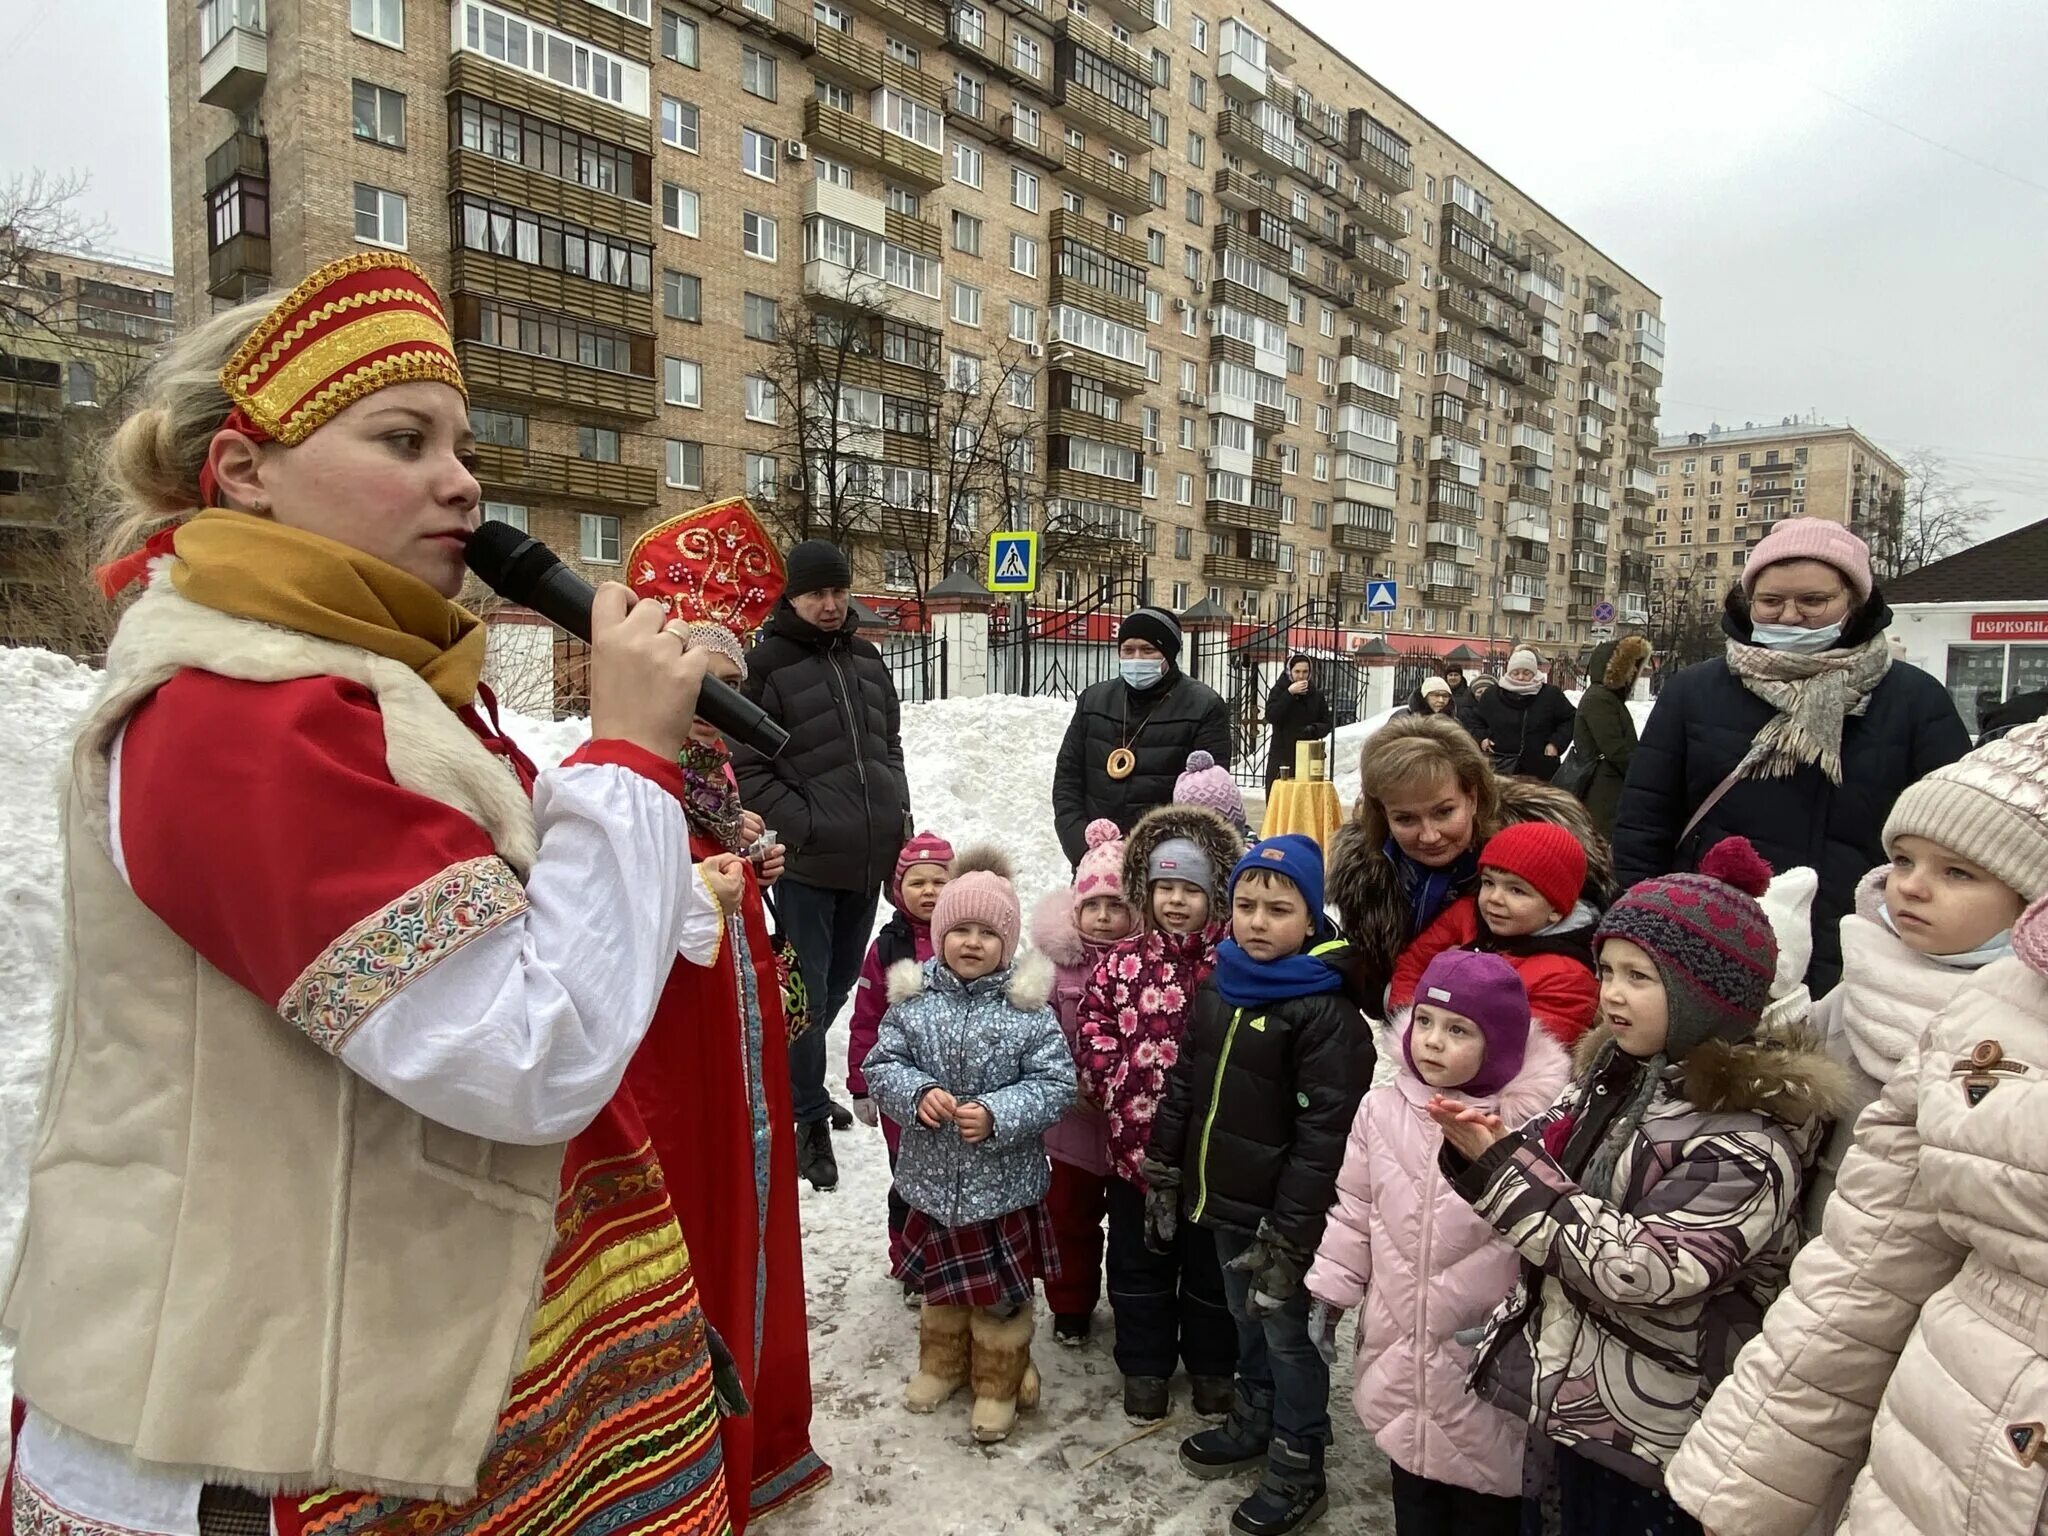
[(1808, 605)]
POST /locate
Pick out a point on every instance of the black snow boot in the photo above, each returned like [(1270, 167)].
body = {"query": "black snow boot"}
[(1233, 1446), (1146, 1399), (842, 1117), (1214, 1395), (1071, 1328), (1290, 1497), (814, 1159)]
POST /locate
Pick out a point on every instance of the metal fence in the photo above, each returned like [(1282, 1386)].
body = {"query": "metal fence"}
[(917, 666), (1058, 654)]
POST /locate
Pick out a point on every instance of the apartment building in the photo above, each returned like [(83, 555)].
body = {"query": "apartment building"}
[(1721, 490), (75, 331), (1170, 281)]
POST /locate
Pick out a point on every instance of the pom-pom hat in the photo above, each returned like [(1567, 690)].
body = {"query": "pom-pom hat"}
[(1205, 783), (1543, 854), (1101, 870), (979, 892)]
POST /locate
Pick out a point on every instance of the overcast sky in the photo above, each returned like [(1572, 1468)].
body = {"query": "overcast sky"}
[(1844, 203)]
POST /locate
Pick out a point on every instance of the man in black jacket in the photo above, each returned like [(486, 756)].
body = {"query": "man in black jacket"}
[(1130, 736), (837, 797)]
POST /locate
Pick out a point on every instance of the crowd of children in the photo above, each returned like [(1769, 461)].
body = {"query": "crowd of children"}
[(1604, 1125)]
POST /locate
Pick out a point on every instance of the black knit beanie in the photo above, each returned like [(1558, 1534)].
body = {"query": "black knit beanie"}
[(1154, 625), (815, 565)]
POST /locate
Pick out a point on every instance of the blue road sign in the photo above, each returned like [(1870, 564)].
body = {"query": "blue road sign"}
[(1603, 613), (1013, 562), (1380, 597)]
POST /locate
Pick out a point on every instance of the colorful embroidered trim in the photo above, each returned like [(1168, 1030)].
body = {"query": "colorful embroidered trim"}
[(384, 953)]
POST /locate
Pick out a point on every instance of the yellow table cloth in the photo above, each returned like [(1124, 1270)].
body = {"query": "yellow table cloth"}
[(1308, 806)]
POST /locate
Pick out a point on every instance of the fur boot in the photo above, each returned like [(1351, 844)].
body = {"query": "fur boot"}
[(1004, 1377), (942, 1355)]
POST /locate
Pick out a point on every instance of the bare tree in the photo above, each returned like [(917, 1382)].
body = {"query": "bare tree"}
[(1685, 621), (39, 215), (1931, 518)]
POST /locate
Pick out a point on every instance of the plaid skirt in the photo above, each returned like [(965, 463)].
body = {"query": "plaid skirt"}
[(983, 1264)]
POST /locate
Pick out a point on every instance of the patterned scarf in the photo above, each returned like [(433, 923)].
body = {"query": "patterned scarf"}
[(712, 801), (1812, 695), (1430, 890)]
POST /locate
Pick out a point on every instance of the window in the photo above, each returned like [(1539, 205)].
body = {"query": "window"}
[(505, 133), (1198, 151), (1024, 255), (757, 74), (828, 15), (966, 164), (826, 169), (903, 53), (679, 124), (757, 154), (760, 399), (1022, 388), (1198, 92), (380, 115), (909, 118), (904, 201), (541, 240), (1073, 201), (505, 428), (760, 314), (679, 209), (685, 464), (963, 372), (1024, 189), (510, 513), (970, 96), (1162, 67), (1026, 57), (898, 572), (758, 235), (1194, 206), (1184, 494), (382, 21), (966, 233), (598, 444), (599, 544), (764, 476), (966, 303), (1187, 431), (833, 94), (1156, 189), (380, 217), (678, 38), (682, 382), (1198, 34), (544, 53)]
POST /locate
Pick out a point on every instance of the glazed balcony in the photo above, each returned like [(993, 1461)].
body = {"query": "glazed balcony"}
[(1381, 168), (864, 143), (1362, 527), (1072, 27), (497, 371), (234, 61), (1091, 109)]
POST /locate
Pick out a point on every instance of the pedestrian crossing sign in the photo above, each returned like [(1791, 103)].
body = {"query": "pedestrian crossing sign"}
[(1013, 562), (1379, 597)]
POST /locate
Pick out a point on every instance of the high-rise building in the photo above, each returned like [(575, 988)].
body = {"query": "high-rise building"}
[(1184, 291)]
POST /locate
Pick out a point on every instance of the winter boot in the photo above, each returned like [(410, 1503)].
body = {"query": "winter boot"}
[(1071, 1328), (1236, 1444), (1213, 1396), (1290, 1497), (942, 1350), (814, 1159), (1146, 1399), (1000, 1371), (842, 1117)]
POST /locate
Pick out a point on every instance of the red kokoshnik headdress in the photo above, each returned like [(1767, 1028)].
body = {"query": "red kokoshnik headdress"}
[(715, 569)]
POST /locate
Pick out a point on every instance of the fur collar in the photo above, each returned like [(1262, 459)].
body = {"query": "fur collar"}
[(1546, 1068), (1027, 988), (1205, 828), (1630, 652), (1054, 933), (1787, 1075)]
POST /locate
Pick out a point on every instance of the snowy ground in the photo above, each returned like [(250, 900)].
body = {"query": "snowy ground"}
[(979, 769)]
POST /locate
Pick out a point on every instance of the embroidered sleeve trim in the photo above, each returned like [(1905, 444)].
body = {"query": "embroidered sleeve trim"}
[(377, 958), (724, 917)]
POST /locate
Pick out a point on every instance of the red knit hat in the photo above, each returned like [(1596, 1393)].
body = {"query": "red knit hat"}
[(1545, 855)]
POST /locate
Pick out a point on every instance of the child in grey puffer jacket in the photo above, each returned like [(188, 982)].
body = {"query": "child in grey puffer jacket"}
[(970, 1061)]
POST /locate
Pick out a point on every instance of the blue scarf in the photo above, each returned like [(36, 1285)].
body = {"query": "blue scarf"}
[(1248, 983), (1428, 890)]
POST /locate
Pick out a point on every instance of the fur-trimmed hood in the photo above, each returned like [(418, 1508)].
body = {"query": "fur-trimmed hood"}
[(1787, 1075), (1026, 983), (1205, 828), (1614, 661), (1054, 932)]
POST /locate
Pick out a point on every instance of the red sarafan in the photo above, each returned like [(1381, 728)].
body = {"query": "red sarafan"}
[(1735, 861)]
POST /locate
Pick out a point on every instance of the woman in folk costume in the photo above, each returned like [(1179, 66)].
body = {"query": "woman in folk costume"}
[(339, 1218), (712, 1076)]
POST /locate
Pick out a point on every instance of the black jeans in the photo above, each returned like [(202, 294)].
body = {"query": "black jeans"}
[(1596, 1501), (830, 930), (1277, 1362), (1169, 1307), (1425, 1507)]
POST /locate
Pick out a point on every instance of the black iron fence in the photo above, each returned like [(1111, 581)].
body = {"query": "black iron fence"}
[(917, 665), (1061, 652)]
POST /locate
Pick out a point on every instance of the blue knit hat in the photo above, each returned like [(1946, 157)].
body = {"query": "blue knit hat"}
[(1292, 856)]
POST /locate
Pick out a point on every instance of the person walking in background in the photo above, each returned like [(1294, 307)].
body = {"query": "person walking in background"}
[(838, 798), (1525, 724), (1131, 735), (1296, 711), (1462, 703), (1605, 731), (1800, 738), (1454, 676), (1433, 697)]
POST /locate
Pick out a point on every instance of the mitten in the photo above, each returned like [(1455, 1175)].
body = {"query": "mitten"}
[(1322, 1328), (1276, 1265), (865, 1112), (1162, 1205)]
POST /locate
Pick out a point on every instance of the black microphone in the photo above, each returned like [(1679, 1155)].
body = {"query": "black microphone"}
[(523, 570)]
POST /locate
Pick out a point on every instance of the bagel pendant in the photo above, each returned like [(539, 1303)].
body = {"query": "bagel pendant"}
[(1122, 763)]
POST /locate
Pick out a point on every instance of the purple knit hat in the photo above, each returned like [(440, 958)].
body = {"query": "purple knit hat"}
[(1206, 784), (1485, 989), (1812, 538)]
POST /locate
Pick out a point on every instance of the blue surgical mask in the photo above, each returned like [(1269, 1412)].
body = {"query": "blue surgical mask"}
[(1790, 637), (1141, 672), (1997, 947)]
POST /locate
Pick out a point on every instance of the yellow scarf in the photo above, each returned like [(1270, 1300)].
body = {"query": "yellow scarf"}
[(258, 569)]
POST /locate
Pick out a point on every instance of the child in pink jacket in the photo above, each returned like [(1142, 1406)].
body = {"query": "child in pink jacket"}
[(1074, 929), (1401, 1240), (922, 870)]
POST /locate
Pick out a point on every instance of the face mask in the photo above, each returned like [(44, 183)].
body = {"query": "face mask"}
[(1997, 947), (1790, 637), (1141, 672)]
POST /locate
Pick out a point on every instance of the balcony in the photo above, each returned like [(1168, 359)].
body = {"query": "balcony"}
[(1131, 15), (1081, 527), (778, 19), (1029, 139), (1367, 529), (1646, 365), (1380, 215), (1080, 229), (863, 143), (1260, 516), (240, 268), (1381, 168), (843, 57), (1638, 485), (1088, 106), (1541, 380), (1530, 527), (497, 371), (1235, 189), (235, 57), (1073, 27), (1250, 570), (1445, 580), (565, 478), (1270, 149), (969, 113), (1386, 269), (926, 18), (1370, 351), (1120, 189), (1772, 490), (1633, 608), (1598, 336), (1371, 309)]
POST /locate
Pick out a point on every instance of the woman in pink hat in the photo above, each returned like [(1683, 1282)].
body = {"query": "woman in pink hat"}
[(1799, 738)]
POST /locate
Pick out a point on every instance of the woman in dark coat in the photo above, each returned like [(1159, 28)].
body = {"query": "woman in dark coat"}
[(1524, 724), (1130, 737), (1605, 733), (1807, 731), (1296, 711)]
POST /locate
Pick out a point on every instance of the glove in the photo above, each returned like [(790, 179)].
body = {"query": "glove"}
[(1275, 1265), (1162, 1205), (1322, 1328), (865, 1112)]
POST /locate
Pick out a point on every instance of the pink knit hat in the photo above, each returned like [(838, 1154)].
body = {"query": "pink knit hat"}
[(979, 892), (1206, 784), (1101, 870), (1812, 538), (925, 848)]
